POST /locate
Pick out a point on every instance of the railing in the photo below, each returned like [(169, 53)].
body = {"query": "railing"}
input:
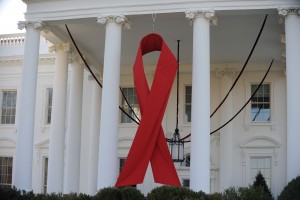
[(12, 39)]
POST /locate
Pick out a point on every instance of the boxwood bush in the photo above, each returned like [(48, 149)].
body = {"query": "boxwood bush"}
[(174, 193), (291, 191)]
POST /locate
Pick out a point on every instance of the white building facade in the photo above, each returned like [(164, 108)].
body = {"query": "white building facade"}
[(61, 132)]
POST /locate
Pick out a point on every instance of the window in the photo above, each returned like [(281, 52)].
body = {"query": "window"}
[(262, 164), (45, 175), (188, 104), (130, 95), (8, 111), (6, 164), (49, 104), (187, 159), (186, 182), (260, 103), (122, 162)]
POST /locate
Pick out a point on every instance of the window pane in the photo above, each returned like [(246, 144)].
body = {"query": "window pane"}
[(8, 112), (49, 104), (260, 103), (5, 171), (130, 95), (188, 104), (262, 164)]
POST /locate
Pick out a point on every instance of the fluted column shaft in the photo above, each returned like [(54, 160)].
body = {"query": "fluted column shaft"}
[(226, 134), (72, 165), (57, 130), (22, 175), (94, 139), (109, 125), (292, 34), (200, 127)]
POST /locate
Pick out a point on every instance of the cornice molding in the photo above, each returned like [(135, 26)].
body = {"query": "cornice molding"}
[(119, 19)]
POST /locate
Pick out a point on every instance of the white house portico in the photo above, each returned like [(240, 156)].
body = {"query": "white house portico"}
[(89, 138)]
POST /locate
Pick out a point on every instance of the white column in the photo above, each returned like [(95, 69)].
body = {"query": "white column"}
[(57, 130), (292, 35), (94, 138), (72, 163), (200, 138), (109, 125), (22, 176), (226, 133)]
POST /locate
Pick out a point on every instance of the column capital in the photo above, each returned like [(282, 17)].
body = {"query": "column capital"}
[(66, 47), (75, 57), (203, 13), (31, 24), (230, 72), (119, 19), (284, 12)]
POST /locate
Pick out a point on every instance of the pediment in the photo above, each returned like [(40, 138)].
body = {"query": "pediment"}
[(43, 143), (6, 142), (260, 142)]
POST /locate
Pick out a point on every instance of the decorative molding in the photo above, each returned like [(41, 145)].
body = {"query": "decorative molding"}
[(283, 52), (75, 57), (58, 47), (119, 19), (91, 77), (204, 13), (284, 12), (227, 71), (31, 24)]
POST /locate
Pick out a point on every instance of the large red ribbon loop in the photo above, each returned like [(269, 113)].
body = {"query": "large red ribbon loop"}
[(150, 143)]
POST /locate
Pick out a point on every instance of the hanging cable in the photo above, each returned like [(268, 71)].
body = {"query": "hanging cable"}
[(153, 22), (247, 101), (94, 76), (249, 56)]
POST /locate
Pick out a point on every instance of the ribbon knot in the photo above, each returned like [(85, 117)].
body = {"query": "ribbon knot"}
[(149, 144)]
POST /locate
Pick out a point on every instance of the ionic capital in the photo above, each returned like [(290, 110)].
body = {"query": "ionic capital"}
[(284, 12), (119, 19), (60, 47), (205, 13), (31, 24)]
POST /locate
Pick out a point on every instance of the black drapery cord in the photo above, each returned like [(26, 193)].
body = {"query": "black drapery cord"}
[(177, 87), (94, 76)]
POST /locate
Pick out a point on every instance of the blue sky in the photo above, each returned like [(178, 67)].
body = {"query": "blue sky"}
[(11, 11)]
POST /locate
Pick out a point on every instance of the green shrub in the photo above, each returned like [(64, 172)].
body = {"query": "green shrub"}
[(131, 193), (230, 194), (109, 193), (291, 191), (261, 182), (174, 193), (253, 193), (214, 196), (7, 193)]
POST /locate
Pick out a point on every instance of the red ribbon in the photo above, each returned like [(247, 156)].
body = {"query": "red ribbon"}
[(150, 143)]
